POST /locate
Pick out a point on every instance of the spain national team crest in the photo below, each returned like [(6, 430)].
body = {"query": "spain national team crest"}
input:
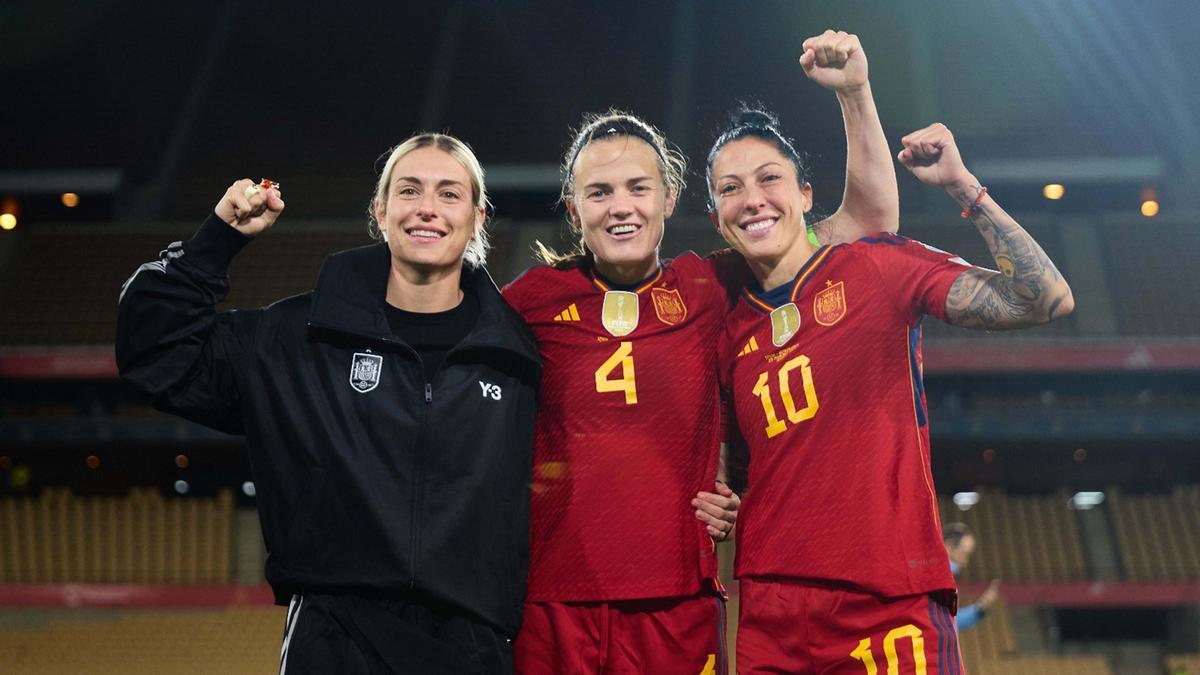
[(785, 321), (829, 306), (364, 372), (620, 313), (668, 305)]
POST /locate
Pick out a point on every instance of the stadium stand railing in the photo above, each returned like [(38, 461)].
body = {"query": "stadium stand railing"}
[(42, 305), (228, 641), (1021, 537), (990, 639), (990, 648), (1043, 665), (139, 538), (1157, 535), (1152, 275)]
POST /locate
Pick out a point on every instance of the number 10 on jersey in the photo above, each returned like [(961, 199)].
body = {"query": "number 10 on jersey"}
[(762, 389)]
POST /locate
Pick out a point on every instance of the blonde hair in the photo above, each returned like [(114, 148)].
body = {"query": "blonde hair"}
[(480, 244), (612, 123)]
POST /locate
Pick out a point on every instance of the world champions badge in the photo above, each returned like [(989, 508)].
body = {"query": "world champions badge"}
[(668, 305), (829, 306), (620, 313), (785, 321)]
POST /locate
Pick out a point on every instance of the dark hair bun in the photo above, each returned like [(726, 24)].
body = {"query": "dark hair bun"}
[(754, 117)]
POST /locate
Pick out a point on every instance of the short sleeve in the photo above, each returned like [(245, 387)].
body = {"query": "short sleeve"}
[(517, 291), (918, 276)]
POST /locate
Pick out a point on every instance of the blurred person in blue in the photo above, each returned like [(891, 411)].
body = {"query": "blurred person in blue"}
[(960, 546)]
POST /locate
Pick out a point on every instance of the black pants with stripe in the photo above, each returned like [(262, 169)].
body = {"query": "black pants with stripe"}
[(352, 635)]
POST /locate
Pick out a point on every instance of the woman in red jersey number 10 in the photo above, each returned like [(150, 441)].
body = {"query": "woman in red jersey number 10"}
[(839, 553)]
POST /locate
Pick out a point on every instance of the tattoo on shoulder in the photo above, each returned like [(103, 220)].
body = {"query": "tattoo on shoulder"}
[(984, 299)]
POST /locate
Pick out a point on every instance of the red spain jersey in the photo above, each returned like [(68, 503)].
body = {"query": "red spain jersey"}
[(628, 430), (827, 392)]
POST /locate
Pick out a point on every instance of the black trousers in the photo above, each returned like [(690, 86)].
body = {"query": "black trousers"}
[(352, 635)]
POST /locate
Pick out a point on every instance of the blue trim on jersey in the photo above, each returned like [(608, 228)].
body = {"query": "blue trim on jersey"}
[(783, 294), (947, 638), (777, 297), (893, 239), (918, 382), (941, 648), (955, 650), (722, 647)]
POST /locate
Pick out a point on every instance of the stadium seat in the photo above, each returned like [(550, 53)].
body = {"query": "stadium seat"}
[(228, 641), (139, 538)]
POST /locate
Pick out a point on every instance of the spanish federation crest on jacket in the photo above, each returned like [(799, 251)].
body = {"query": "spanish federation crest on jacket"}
[(370, 479), (364, 372)]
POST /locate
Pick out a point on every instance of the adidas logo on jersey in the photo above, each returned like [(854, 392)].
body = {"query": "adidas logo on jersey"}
[(568, 314), (751, 346)]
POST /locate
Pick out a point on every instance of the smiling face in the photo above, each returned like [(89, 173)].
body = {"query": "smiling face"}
[(621, 204), (760, 205), (428, 215)]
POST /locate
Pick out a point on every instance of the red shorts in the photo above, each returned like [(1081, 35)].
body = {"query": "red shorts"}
[(797, 627), (661, 636)]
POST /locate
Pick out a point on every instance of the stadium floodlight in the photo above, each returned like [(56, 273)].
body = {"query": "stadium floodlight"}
[(965, 500), (1082, 501)]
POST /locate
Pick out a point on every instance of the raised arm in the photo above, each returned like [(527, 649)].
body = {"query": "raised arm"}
[(171, 342), (871, 202), (1028, 289)]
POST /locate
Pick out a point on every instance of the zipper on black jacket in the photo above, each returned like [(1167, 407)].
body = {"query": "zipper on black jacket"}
[(418, 466)]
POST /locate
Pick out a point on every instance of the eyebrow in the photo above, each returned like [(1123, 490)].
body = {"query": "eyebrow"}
[(445, 182), (604, 184), (758, 168)]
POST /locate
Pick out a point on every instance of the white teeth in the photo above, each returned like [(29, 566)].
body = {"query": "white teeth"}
[(425, 234), (760, 225), (623, 229)]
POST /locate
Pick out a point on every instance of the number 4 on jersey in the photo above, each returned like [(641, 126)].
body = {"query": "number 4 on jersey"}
[(605, 382)]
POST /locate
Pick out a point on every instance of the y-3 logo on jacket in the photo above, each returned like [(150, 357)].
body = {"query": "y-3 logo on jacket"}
[(364, 371), (491, 391)]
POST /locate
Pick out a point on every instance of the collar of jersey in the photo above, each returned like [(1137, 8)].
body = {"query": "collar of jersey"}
[(766, 301), (605, 285)]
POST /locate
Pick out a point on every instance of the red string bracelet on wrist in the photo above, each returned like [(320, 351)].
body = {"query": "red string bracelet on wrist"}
[(966, 213)]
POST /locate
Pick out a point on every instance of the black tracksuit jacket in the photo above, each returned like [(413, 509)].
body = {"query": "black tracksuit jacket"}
[(388, 486)]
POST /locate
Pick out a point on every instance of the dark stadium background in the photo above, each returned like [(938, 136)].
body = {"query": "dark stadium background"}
[(127, 538)]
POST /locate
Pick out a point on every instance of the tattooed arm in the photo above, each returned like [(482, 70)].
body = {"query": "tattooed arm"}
[(1028, 289)]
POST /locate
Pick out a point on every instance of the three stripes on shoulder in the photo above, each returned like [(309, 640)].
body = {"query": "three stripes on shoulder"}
[(751, 346), (569, 314)]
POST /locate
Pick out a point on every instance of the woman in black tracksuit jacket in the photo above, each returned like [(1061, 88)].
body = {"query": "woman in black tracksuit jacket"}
[(389, 415)]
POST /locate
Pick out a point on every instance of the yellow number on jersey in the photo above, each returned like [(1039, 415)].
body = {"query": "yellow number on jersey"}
[(862, 653), (776, 426), (604, 382)]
